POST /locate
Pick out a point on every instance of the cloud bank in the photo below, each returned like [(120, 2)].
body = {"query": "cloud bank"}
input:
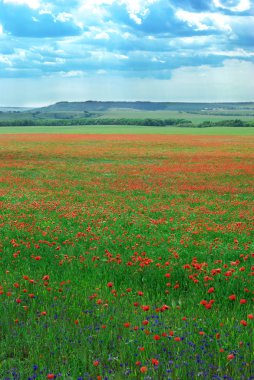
[(147, 41)]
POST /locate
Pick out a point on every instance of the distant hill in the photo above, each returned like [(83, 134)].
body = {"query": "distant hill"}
[(132, 113), (96, 106)]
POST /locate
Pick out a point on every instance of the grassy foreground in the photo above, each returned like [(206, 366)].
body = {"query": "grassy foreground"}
[(243, 131), (126, 256)]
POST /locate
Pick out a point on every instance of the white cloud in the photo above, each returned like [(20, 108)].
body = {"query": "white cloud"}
[(155, 59), (5, 60), (63, 17), (34, 4), (205, 20), (1, 29), (243, 5), (20, 54), (90, 9), (72, 74), (102, 36), (45, 12), (138, 9), (138, 6), (237, 53), (57, 61), (192, 41)]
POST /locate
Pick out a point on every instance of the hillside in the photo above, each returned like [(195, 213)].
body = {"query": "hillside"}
[(98, 106), (132, 113)]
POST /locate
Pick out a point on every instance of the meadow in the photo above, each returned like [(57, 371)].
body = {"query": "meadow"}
[(126, 130), (194, 117), (126, 255)]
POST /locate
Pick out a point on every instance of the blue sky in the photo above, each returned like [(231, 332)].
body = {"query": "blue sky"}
[(161, 50)]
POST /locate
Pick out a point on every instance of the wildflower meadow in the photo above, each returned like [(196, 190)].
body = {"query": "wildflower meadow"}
[(126, 257)]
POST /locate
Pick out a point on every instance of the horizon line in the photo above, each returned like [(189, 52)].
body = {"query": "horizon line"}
[(131, 101)]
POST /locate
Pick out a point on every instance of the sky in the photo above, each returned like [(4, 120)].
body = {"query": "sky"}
[(157, 50)]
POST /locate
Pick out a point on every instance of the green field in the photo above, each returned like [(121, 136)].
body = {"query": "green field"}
[(126, 256), (244, 131), (195, 118)]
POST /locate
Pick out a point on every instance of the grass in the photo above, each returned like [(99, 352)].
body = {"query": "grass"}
[(126, 256), (195, 118), (244, 131)]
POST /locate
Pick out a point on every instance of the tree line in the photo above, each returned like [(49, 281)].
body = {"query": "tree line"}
[(125, 121)]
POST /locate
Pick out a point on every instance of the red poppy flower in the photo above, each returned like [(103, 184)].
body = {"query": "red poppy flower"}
[(37, 258), (156, 337), (230, 356), (155, 361), (50, 376), (143, 369)]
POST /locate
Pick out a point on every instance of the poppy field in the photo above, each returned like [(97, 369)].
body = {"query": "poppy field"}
[(126, 257)]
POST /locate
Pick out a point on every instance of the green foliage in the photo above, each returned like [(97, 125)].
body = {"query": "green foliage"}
[(124, 121)]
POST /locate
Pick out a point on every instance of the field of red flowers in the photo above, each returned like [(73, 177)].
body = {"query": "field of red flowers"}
[(126, 256)]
